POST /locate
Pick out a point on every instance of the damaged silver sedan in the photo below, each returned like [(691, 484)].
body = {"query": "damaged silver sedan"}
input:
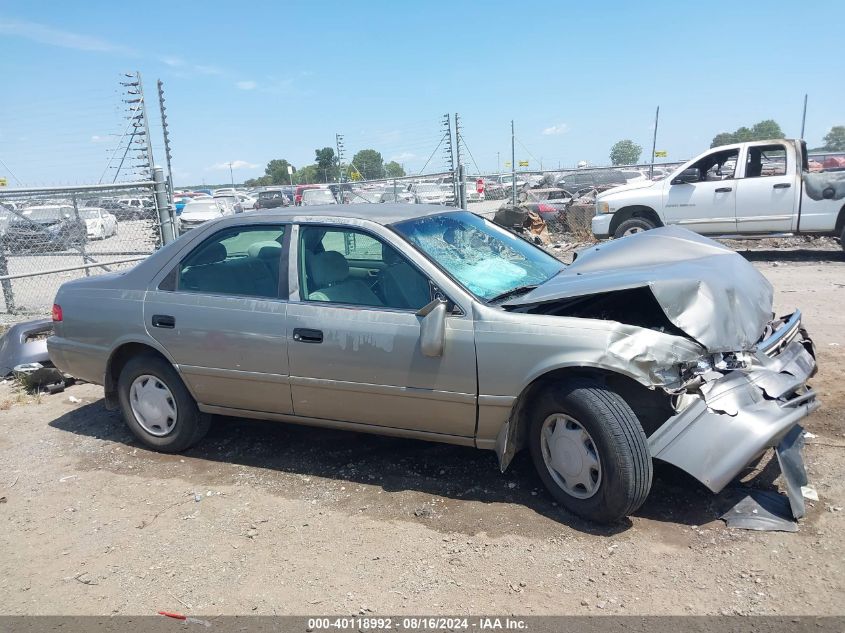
[(415, 321)]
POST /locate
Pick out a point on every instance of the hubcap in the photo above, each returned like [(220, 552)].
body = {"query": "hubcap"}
[(570, 455), (153, 406)]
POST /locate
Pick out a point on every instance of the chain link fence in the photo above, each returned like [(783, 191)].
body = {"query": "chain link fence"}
[(52, 235)]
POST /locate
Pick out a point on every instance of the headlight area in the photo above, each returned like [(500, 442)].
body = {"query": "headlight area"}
[(602, 207)]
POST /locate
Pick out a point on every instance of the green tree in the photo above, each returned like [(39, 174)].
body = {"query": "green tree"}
[(625, 152), (762, 131), (393, 170), (277, 170), (309, 174), (261, 181), (369, 163), (326, 163), (834, 141)]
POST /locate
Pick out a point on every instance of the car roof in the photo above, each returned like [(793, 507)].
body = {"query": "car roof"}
[(378, 212)]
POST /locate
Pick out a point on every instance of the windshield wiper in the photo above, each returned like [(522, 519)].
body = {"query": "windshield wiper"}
[(512, 293)]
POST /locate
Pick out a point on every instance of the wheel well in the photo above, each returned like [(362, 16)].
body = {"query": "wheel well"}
[(117, 361), (651, 406), (840, 222), (626, 213)]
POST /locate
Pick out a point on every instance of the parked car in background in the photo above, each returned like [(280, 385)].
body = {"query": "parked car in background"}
[(117, 209), (430, 193), (99, 223), (311, 197), (361, 196), (578, 181), (431, 323), (180, 202), (397, 196), (297, 196), (741, 190), (197, 212), (271, 199), (43, 228)]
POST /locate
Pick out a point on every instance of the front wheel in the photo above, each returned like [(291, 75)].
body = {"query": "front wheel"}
[(590, 451), (157, 406), (632, 226)]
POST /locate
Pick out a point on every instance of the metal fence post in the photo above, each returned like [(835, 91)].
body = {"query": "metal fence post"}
[(8, 293), (81, 222), (462, 187), (165, 218)]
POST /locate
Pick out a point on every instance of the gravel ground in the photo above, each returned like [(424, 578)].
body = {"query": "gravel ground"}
[(268, 518)]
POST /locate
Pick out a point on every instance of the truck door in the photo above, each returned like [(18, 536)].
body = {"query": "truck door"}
[(702, 198), (767, 190)]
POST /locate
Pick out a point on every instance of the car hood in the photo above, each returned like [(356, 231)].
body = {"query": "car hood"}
[(633, 186), (705, 289)]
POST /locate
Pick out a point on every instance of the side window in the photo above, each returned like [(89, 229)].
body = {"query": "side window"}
[(243, 261), (718, 166), (765, 160), (348, 266)]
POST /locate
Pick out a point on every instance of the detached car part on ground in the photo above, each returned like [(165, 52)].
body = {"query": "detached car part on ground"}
[(416, 321)]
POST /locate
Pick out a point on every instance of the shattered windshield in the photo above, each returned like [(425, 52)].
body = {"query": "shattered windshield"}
[(485, 259)]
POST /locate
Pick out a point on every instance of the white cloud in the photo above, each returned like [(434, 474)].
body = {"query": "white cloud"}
[(236, 164), (554, 130), (98, 139), (207, 70), (404, 156), (173, 62), (246, 85), (55, 37)]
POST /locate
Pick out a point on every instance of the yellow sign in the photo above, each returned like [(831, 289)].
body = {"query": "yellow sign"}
[(508, 164), (523, 163), (3, 182), (661, 153)]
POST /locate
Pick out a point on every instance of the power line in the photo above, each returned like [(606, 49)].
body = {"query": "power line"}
[(6, 167)]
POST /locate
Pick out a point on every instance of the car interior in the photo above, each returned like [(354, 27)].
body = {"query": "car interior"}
[(351, 267)]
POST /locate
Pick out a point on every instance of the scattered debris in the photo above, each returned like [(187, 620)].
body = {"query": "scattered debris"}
[(184, 618), (808, 492), (73, 400), (763, 510)]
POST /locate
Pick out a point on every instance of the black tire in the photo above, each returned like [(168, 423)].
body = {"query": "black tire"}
[(618, 440), (191, 424), (842, 239), (633, 225)]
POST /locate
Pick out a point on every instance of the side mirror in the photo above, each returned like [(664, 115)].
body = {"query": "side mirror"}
[(687, 176), (433, 328)]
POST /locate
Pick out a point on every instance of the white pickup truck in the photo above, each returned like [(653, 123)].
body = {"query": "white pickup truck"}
[(757, 189)]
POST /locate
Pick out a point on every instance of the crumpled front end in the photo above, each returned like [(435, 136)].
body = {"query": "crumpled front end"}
[(734, 407)]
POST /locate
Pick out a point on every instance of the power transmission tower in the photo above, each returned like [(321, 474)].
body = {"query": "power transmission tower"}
[(448, 148), (166, 140), (338, 140)]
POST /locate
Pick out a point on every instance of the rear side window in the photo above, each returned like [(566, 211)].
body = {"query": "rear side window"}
[(765, 160), (239, 261)]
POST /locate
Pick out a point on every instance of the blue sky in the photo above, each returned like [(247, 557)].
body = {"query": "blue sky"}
[(255, 81)]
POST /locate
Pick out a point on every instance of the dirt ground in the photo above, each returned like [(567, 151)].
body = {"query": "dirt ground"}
[(269, 518)]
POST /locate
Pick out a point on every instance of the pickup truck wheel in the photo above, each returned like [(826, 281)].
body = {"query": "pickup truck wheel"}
[(633, 225), (590, 451), (157, 406)]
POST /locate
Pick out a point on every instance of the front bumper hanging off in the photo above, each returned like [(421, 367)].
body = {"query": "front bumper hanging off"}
[(744, 412)]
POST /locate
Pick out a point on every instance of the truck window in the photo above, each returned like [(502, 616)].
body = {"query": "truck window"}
[(717, 166), (765, 160)]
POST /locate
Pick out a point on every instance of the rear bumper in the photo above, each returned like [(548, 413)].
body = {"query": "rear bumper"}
[(601, 225), (742, 413)]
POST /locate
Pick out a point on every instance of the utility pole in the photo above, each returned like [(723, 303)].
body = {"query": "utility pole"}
[(498, 163), (654, 144), (460, 180), (804, 116), (513, 166), (338, 141), (231, 177), (166, 140)]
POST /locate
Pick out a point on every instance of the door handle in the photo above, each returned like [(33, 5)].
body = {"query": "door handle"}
[(305, 335), (724, 189), (782, 185), (164, 321)]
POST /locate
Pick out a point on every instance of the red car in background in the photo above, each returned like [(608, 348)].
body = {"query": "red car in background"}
[(297, 196)]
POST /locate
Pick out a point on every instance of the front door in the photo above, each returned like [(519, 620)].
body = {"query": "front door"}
[(354, 339), (767, 192), (220, 317), (707, 205)]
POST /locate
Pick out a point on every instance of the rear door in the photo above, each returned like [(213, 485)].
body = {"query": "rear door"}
[(220, 314), (767, 190)]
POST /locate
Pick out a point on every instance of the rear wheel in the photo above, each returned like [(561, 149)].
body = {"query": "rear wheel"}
[(632, 226), (157, 406), (590, 451), (842, 239)]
